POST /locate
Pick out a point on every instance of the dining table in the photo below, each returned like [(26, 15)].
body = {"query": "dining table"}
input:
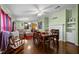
[(44, 38), (55, 38)]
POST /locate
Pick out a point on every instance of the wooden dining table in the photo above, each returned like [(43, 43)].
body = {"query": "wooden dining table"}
[(44, 38), (48, 36)]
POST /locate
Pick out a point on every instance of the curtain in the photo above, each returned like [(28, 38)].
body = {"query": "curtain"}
[(9, 23), (5, 30), (3, 20), (6, 24)]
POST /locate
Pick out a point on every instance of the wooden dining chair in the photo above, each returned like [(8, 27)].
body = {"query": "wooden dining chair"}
[(54, 38), (36, 38)]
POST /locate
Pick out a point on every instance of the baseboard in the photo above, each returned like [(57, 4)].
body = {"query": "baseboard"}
[(62, 40), (71, 43)]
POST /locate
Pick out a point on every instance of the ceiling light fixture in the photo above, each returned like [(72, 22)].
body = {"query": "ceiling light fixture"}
[(29, 23), (25, 24), (41, 13)]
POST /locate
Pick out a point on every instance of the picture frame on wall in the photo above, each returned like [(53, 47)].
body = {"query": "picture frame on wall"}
[(40, 25)]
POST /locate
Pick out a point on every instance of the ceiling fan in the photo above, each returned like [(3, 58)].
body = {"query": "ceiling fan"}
[(38, 11)]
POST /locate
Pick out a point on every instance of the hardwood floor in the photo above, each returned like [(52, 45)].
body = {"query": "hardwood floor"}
[(64, 48)]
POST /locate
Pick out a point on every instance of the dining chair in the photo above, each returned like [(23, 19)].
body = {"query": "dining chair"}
[(54, 38)]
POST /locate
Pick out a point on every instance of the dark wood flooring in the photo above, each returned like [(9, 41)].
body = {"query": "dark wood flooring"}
[(64, 48)]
